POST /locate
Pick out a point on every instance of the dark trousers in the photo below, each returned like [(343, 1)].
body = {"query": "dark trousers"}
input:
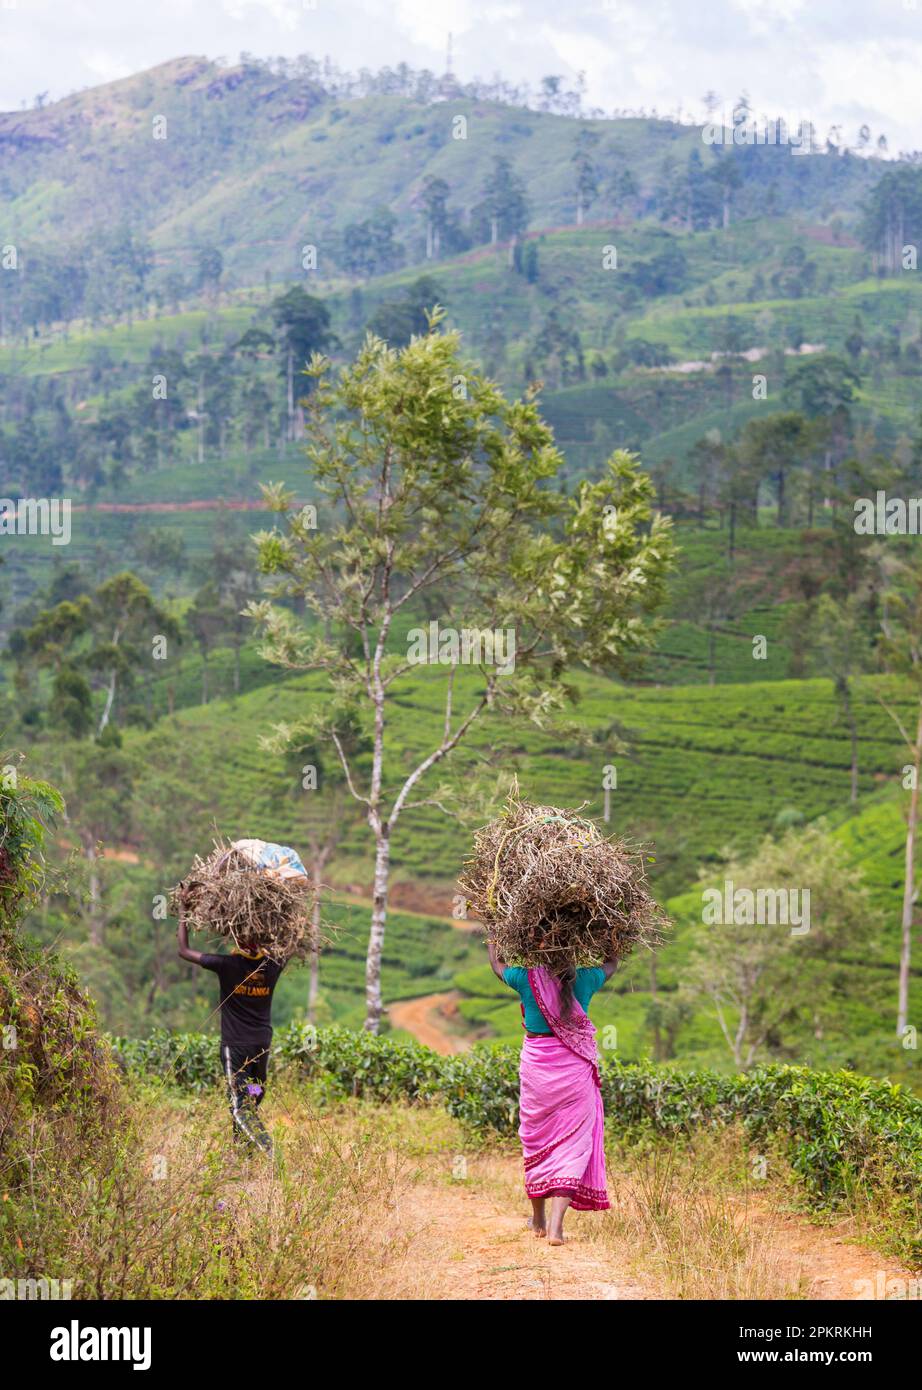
[(245, 1078)]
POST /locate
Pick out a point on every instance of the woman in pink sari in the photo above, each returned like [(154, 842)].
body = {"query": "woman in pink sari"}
[(561, 1123)]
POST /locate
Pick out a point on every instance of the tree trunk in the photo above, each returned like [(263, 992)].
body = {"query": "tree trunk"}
[(909, 885), (313, 987), (827, 466), (373, 1005), (654, 996), (291, 393), (739, 1037), (107, 708), (95, 888), (853, 734)]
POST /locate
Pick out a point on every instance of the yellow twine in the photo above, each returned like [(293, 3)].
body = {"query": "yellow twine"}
[(545, 820)]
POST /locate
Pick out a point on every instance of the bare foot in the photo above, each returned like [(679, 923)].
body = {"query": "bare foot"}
[(537, 1222), (558, 1212)]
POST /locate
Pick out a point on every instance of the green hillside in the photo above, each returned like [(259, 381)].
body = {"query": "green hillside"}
[(258, 162), (704, 771)]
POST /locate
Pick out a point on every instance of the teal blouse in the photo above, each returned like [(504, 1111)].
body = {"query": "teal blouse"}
[(589, 979)]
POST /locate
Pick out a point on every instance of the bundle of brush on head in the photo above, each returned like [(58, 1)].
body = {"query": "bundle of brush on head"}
[(553, 891), (258, 907)]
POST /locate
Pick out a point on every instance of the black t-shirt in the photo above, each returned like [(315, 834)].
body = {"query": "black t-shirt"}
[(246, 983)]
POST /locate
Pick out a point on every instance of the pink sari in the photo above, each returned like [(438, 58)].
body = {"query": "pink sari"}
[(560, 1105)]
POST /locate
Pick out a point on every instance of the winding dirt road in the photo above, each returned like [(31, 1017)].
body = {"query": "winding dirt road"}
[(427, 1019)]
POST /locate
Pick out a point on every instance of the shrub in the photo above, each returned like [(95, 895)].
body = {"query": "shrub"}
[(60, 1104), (362, 1064), (188, 1060)]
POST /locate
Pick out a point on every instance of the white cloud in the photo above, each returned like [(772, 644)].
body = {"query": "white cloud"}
[(833, 61), (106, 66)]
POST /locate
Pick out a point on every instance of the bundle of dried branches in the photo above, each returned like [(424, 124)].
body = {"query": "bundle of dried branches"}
[(258, 909), (553, 891)]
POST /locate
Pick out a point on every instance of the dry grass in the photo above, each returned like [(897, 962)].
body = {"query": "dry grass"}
[(553, 891), (688, 1217), (257, 909), (179, 1212)]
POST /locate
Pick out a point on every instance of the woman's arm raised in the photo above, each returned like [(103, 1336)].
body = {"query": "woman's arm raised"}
[(497, 964)]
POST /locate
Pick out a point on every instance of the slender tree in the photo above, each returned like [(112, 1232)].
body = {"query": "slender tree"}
[(587, 181), (103, 633), (303, 323), (775, 445), (434, 199), (433, 479), (900, 648), (505, 201), (837, 639)]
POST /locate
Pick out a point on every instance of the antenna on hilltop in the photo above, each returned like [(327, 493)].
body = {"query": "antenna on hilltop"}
[(448, 58)]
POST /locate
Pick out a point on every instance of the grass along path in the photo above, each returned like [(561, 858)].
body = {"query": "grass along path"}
[(466, 1239)]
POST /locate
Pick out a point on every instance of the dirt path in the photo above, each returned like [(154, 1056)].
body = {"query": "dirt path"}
[(829, 1264), (400, 904), (466, 1219), (426, 1019), (471, 1243)]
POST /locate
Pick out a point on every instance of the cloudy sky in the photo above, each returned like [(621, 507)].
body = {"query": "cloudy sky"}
[(836, 62)]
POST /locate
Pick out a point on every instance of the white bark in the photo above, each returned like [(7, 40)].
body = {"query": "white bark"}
[(373, 1003), (107, 709), (909, 887), (95, 888)]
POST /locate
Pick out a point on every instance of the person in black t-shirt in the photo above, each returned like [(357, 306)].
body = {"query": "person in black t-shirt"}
[(246, 979)]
